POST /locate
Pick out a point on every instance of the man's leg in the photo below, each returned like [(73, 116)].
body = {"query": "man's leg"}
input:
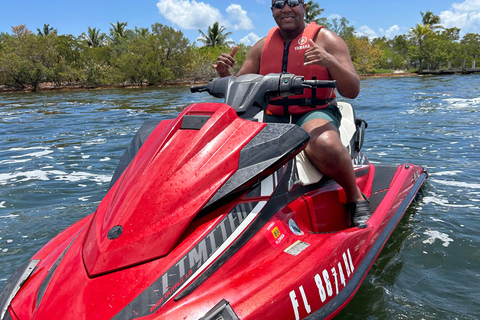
[(326, 152)]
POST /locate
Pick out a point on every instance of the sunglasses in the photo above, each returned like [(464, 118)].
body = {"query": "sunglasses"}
[(281, 4)]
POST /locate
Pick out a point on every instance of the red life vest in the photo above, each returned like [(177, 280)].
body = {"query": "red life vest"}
[(292, 61)]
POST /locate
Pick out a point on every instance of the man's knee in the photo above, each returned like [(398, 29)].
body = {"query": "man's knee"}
[(328, 140)]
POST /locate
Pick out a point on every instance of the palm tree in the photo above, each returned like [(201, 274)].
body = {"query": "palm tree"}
[(312, 13), (419, 34), (117, 31), (142, 32), (46, 30), (215, 36), (430, 19), (94, 38)]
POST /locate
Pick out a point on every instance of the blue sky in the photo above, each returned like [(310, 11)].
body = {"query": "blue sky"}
[(248, 20)]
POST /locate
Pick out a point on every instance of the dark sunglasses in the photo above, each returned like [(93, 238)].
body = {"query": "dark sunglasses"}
[(281, 4)]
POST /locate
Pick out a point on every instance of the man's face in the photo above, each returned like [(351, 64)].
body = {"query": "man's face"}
[(289, 18)]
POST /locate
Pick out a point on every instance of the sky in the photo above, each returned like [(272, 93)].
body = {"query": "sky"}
[(247, 20)]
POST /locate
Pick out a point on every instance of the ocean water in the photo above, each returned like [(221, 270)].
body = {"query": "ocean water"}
[(59, 149)]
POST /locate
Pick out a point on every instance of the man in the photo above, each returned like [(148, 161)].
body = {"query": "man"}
[(309, 50)]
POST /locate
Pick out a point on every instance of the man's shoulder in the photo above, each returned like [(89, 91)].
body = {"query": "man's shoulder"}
[(326, 36), (261, 42), (259, 45)]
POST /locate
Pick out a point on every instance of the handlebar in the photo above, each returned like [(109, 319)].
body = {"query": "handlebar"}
[(255, 91), (319, 84), (199, 88)]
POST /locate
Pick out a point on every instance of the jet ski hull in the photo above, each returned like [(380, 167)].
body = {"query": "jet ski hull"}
[(208, 218)]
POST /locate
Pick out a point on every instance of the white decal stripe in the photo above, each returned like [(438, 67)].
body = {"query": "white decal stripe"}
[(244, 225)]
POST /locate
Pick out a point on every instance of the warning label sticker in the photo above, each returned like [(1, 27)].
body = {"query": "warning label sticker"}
[(297, 247)]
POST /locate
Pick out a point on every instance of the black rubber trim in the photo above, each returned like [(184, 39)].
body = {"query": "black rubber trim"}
[(376, 199), (138, 140), (362, 270), (223, 310), (194, 122), (302, 102), (269, 149), (383, 177), (51, 271), (13, 285)]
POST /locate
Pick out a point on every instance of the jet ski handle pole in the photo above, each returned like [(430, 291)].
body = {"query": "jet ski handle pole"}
[(300, 84), (319, 84), (250, 92)]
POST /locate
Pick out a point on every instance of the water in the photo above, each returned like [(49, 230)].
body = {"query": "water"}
[(59, 150)]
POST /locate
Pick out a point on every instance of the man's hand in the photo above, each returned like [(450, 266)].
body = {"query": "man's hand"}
[(317, 55), (224, 62)]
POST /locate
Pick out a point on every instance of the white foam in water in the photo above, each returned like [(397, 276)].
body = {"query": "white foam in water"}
[(35, 154), (52, 175), (95, 142), (23, 149), (445, 173), (457, 103), (8, 216), (24, 158), (444, 202), (14, 161), (454, 183), (434, 235)]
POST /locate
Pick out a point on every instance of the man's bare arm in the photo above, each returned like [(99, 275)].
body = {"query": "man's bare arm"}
[(331, 52)]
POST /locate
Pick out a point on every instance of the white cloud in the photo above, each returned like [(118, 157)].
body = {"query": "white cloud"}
[(365, 31), (465, 15), (391, 32), (468, 5), (190, 15), (250, 39), (334, 16), (240, 19)]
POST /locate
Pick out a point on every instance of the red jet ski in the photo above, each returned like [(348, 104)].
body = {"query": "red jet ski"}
[(218, 215)]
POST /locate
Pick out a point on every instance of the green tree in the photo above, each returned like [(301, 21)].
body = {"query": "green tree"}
[(46, 30), (142, 33), (215, 36), (364, 56), (312, 13), (93, 38), (443, 47), (162, 56), (119, 33), (430, 19), (342, 28), (30, 60), (21, 30), (471, 46), (418, 36)]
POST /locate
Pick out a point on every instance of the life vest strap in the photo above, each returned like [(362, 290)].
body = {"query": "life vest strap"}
[(303, 102)]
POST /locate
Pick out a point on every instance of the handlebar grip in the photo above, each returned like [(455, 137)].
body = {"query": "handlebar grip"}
[(200, 88), (320, 83)]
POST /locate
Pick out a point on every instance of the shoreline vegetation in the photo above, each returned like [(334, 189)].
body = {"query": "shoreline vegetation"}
[(162, 56), (49, 86)]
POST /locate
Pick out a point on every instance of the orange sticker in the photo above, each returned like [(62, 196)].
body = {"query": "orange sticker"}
[(276, 233)]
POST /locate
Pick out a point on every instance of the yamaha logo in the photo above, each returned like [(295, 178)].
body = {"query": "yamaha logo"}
[(303, 44), (302, 40)]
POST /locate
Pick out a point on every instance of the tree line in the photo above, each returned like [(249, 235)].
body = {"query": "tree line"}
[(139, 56), (162, 55)]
